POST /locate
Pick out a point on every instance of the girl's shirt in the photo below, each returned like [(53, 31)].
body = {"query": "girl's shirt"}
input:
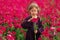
[(29, 25)]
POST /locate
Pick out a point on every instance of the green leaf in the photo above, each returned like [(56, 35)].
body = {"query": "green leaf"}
[(55, 38), (44, 38), (12, 28), (24, 29), (35, 26), (46, 25), (19, 35), (5, 34)]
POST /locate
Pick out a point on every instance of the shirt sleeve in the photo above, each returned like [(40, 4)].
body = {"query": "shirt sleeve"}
[(40, 29), (25, 23)]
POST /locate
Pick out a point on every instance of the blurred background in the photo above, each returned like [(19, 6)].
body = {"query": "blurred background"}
[(13, 12)]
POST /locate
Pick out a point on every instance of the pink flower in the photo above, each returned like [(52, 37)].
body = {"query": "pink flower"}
[(52, 28)]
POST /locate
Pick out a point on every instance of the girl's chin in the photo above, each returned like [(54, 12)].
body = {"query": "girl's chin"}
[(34, 14)]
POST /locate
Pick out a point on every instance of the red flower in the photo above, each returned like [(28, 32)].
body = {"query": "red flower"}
[(46, 32), (1, 38), (13, 33), (17, 25), (58, 29), (10, 37), (34, 20), (2, 29), (40, 38), (1, 32)]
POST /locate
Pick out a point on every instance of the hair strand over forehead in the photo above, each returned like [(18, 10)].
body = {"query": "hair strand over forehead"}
[(33, 5)]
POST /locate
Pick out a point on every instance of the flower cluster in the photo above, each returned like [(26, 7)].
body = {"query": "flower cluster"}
[(12, 12)]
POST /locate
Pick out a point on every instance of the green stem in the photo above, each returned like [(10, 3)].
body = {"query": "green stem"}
[(35, 36)]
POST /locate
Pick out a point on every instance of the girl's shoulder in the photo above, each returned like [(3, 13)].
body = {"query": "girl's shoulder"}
[(39, 18), (28, 17)]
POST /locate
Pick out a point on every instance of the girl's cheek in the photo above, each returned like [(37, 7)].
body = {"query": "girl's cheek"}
[(34, 13)]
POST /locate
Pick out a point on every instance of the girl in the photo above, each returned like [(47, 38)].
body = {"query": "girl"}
[(33, 10)]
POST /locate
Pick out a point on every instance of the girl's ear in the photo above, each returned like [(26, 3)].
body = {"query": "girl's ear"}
[(39, 10)]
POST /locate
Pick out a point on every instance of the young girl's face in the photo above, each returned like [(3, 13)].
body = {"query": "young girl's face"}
[(34, 11)]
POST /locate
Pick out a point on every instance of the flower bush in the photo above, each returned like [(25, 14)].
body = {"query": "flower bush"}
[(13, 12)]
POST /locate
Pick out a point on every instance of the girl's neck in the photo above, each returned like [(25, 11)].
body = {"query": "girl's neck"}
[(34, 16)]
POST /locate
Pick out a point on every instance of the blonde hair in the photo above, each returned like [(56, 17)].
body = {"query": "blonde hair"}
[(33, 5)]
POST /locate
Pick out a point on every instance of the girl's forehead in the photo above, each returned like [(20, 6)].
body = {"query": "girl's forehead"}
[(33, 8)]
